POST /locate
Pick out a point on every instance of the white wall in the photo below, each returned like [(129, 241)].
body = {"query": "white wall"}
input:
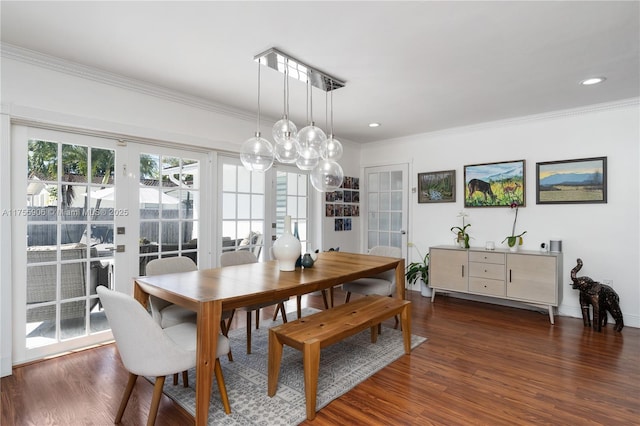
[(605, 236), (347, 240)]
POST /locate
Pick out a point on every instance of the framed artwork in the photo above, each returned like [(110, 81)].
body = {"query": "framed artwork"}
[(572, 181), (437, 187), (494, 184)]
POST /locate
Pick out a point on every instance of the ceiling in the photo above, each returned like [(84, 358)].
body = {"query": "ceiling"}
[(413, 66)]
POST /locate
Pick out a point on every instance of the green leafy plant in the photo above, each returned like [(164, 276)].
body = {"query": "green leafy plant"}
[(513, 238), (418, 270)]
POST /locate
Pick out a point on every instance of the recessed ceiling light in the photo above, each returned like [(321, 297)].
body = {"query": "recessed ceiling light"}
[(374, 125), (593, 80)]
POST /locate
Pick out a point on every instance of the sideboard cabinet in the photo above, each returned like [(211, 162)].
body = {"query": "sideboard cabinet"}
[(530, 277)]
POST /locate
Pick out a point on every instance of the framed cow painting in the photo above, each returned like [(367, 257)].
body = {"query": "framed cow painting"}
[(494, 184)]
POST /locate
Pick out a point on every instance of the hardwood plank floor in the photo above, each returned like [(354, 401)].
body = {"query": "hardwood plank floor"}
[(483, 364)]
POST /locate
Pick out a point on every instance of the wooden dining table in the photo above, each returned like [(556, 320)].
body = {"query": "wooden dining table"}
[(208, 292)]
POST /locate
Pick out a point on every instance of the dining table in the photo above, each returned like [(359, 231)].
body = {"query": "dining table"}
[(209, 292)]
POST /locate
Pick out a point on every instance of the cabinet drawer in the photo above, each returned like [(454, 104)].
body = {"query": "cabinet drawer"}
[(485, 257), (486, 270), (487, 286)]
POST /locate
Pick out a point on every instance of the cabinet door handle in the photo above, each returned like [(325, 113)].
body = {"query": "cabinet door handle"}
[(509, 275), (462, 266)]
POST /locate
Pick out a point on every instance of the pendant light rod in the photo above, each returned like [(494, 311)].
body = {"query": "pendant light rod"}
[(258, 123), (277, 60)]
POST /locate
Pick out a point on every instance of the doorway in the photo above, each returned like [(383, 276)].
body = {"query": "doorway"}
[(386, 198), (79, 206)]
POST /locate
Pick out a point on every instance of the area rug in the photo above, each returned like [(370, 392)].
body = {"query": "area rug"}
[(342, 367)]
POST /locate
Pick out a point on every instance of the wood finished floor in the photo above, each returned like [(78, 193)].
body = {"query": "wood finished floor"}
[(482, 365)]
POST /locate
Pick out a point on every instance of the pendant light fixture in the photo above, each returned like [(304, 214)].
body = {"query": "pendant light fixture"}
[(256, 153), (328, 175), (287, 147), (309, 137), (309, 149), (331, 148)]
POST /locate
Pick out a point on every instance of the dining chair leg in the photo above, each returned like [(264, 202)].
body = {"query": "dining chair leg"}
[(324, 299), (299, 306), (348, 297), (175, 379), (185, 378), (155, 400), (125, 396), (224, 328), (283, 312), (248, 332), (257, 319), (217, 369)]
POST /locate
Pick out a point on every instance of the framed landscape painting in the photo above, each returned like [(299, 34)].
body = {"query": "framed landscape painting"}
[(437, 187), (572, 181), (494, 184)]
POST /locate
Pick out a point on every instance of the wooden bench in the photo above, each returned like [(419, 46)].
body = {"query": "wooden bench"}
[(312, 333)]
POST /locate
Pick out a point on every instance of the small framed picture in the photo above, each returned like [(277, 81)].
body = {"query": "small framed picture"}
[(577, 181), (494, 184), (437, 187)]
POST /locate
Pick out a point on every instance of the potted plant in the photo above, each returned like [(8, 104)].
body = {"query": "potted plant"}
[(419, 271), (461, 231), (513, 240)]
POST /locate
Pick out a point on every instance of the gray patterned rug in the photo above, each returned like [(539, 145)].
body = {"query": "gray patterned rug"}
[(342, 367)]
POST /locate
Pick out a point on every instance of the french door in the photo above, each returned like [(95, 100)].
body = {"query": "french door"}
[(90, 211), (386, 198), (253, 206)]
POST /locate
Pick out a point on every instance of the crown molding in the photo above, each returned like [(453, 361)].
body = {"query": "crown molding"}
[(38, 59), (550, 115)]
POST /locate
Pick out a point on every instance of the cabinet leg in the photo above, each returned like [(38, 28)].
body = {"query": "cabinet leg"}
[(551, 314), (433, 295)]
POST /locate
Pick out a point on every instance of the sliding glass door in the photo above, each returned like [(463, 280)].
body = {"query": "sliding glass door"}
[(90, 211), (62, 234)]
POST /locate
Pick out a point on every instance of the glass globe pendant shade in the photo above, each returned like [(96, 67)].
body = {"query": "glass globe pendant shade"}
[(257, 154), (327, 176), (288, 150), (331, 149), (308, 158), (312, 136), (281, 128)]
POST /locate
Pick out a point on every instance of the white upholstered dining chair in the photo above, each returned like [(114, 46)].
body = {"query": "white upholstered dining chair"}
[(147, 349), (383, 284), (166, 314), (242, 257)]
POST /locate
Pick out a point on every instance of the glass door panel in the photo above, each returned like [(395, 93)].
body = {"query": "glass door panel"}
[(242, 208), (386, 196), (74, 229), (65, 233), (169, 206), (291, 198)]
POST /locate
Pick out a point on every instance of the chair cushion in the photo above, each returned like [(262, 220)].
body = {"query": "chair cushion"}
[(184, 335), (173, 315), (370, 286)]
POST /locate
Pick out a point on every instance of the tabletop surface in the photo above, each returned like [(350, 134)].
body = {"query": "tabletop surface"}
[(234, 285)]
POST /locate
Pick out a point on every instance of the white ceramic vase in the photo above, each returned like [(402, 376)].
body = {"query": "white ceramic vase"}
[(287, 248)]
